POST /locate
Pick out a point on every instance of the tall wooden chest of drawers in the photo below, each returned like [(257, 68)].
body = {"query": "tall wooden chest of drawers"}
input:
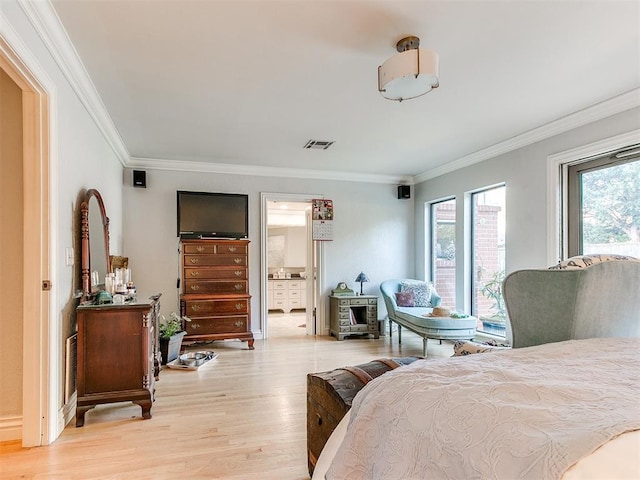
[(215, 290)]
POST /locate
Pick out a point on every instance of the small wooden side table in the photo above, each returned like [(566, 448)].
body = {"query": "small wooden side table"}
[(353, 315)]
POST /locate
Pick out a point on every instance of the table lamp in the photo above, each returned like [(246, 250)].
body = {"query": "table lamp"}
[(362, 277)]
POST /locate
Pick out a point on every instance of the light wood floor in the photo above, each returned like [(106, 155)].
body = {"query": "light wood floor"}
[(243, 416)]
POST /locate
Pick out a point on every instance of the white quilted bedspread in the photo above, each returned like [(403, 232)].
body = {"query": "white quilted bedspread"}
[(528, 413)]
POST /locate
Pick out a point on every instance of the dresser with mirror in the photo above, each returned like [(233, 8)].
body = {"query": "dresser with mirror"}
[(117, 349)]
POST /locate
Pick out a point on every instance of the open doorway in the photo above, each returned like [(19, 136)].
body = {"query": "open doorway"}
[(287, 268), (290, 270), (30, 406)]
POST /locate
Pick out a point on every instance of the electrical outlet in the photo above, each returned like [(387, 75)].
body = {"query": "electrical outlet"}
[(68, 256)]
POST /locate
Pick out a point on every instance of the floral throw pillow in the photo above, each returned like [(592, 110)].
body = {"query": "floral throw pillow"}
[(584, 261), (421, 292), (467, 347), (405, 299)]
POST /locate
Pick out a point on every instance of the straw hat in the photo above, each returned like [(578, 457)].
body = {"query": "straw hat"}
[(440, 312)]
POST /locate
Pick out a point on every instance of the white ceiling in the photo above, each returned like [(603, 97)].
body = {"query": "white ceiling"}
[(287, 214), (248, 83)]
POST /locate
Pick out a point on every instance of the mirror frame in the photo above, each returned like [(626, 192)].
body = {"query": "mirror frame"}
[(84, 232)]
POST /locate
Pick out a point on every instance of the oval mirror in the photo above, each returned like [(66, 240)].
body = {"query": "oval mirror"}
[(94, 243)]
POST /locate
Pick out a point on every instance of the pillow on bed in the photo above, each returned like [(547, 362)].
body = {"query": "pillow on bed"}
[(405, 299), (584, 261), (421, 292), (468, 347)]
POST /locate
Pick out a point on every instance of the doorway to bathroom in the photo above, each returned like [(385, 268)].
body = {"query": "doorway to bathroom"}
[(290, 267)]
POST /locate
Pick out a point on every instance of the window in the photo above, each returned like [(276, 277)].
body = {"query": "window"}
[(443, 249), (603, 205), (488, 244)]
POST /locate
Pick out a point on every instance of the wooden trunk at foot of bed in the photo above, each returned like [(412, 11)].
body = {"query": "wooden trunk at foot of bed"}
[(329, 397)]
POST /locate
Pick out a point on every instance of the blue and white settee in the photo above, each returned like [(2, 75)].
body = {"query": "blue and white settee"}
[(416, 318)]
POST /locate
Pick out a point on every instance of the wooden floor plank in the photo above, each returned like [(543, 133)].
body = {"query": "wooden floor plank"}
[(241, 417)]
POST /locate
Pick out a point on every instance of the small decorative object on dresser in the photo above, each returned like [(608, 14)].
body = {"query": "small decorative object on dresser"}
[(342, 290), (215, 290)]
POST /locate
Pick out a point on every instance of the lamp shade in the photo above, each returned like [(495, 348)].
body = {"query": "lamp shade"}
[(362, 277), (410, 73)]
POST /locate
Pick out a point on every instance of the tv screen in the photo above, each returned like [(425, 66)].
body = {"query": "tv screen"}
[(220, 215)]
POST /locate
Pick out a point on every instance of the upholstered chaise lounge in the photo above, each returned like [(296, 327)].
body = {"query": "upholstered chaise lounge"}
[(416, 319)]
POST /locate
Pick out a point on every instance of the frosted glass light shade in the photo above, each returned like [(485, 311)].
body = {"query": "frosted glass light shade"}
[(408, 74)]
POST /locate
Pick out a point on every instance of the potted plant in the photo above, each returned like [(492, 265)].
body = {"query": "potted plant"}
[(493, 291), (170, 334)]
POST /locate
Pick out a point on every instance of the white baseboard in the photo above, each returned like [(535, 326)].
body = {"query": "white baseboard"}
[(68, 411), (10, 428), (483, 337)]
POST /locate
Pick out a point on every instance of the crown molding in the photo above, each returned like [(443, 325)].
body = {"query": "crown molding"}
[(261, 171), (607, 108), (48, 26)]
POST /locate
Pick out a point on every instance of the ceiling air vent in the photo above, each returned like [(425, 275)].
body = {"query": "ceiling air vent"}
[(318, 145)]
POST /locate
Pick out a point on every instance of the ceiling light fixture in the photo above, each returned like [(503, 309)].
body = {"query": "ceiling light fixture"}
[(409, 74)]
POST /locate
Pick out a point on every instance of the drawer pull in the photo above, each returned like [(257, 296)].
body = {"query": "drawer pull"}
[(194, 326), (200, 248), (233, 249), (239, 306), (195, 288), (239, 323), (194, 260), (238, 273), (195, 308), (194, 273), (237, 261), (239, 286)]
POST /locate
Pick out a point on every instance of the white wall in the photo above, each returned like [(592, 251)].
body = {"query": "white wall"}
[(525, 173), (373, 230), (81, 158), (295, 245)]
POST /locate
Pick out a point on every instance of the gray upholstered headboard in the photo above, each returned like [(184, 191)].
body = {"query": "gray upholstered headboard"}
[(597, 300)]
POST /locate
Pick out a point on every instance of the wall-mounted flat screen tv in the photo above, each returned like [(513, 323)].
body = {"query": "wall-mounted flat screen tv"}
[(213, 215)]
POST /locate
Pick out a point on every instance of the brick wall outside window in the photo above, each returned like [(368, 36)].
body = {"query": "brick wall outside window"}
[(487, 261)]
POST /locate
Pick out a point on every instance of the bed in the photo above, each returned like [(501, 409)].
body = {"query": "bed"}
[(566, 410)]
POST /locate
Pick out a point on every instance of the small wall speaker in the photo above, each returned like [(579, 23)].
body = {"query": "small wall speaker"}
[(404, 191), (140, 178)]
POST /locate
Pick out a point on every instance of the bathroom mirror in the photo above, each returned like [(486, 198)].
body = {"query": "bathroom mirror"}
[(94, 243)]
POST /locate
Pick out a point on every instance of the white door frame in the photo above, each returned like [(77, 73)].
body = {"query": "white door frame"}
[(40, 375), (265, 198), (311, 270)]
